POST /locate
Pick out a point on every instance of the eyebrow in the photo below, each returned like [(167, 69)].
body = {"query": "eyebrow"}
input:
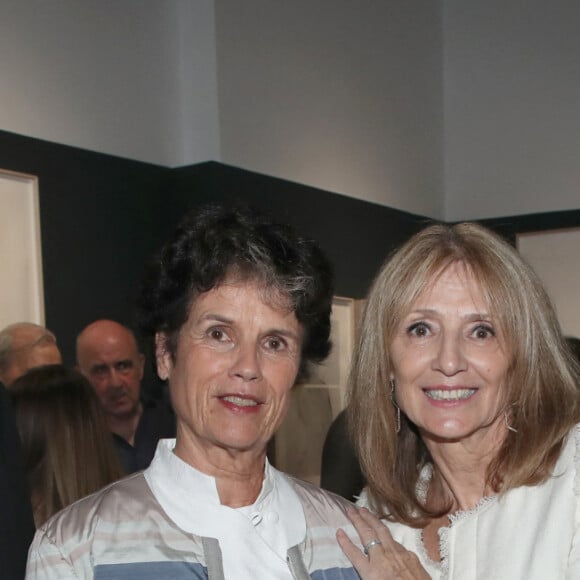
[(468, 317), (285, 333), (99, 366), (124, 361), (224, 320)]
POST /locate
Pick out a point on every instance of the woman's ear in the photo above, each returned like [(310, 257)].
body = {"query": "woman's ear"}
[(162, 356)]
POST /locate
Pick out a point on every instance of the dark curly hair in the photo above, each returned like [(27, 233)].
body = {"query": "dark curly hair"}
[(213, 243)]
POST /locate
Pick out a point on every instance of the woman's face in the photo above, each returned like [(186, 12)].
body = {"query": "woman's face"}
[(449, 360), (236, 361)]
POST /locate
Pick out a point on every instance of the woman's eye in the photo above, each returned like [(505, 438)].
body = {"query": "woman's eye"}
[(217, 334), (418, 329), (482, 331), (275, 343)]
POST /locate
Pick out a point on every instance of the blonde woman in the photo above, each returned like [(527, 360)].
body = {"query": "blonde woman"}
[(464, 407)]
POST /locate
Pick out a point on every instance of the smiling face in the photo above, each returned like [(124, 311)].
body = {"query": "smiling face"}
[(449, 361), (236, 361)]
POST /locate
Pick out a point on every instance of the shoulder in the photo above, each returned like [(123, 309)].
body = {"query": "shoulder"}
[(364, 499), (572, 450), (574, 555), (63, 547), (320, 503), (324, 513), (73, 540), (569, 458), (119, 502)]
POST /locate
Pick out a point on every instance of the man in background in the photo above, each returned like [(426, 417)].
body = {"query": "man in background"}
[(23, 346), (108, 355)]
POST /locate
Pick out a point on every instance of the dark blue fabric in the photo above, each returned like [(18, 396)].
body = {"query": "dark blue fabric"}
[(151, 571), (335, 574), (157, 422), (189, 571)]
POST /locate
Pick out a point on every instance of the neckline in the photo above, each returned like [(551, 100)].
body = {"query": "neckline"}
[(454, 519)]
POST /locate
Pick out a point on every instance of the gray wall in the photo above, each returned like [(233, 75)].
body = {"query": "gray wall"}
[(334, 94), (133, 78), (452, 109), (512, 107), (341, 95)]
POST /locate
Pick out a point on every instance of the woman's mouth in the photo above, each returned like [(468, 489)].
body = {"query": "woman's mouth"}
[(239, 401), (449, 394)]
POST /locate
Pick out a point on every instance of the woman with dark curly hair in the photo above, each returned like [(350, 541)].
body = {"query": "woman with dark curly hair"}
[(465, 408), (238, 307)]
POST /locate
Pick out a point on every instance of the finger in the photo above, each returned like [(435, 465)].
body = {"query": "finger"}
[(377, 528), (389, 559), (356, 557), (370, 528), (364, 529)]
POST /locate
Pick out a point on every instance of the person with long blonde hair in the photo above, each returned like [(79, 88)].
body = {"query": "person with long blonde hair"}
[(68, 451), (464, 407)]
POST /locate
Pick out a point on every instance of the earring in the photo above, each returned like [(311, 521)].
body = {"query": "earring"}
[(507, 425), (398, 427)]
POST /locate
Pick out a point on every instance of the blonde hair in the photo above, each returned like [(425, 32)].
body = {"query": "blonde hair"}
[(540, 386), (67, 447)]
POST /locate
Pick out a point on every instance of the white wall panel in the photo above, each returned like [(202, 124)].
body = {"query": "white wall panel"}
[(21, 289)]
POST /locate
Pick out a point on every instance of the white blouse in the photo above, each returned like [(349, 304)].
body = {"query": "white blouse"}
[(530, 533), (261, 532)]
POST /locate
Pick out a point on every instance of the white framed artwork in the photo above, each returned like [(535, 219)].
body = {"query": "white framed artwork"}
[(21, 289)]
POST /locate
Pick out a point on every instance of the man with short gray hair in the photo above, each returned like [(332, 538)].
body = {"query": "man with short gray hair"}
[(23, 346)]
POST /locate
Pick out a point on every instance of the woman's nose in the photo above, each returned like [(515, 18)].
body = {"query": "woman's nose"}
[(449, 358), (246, 364)]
